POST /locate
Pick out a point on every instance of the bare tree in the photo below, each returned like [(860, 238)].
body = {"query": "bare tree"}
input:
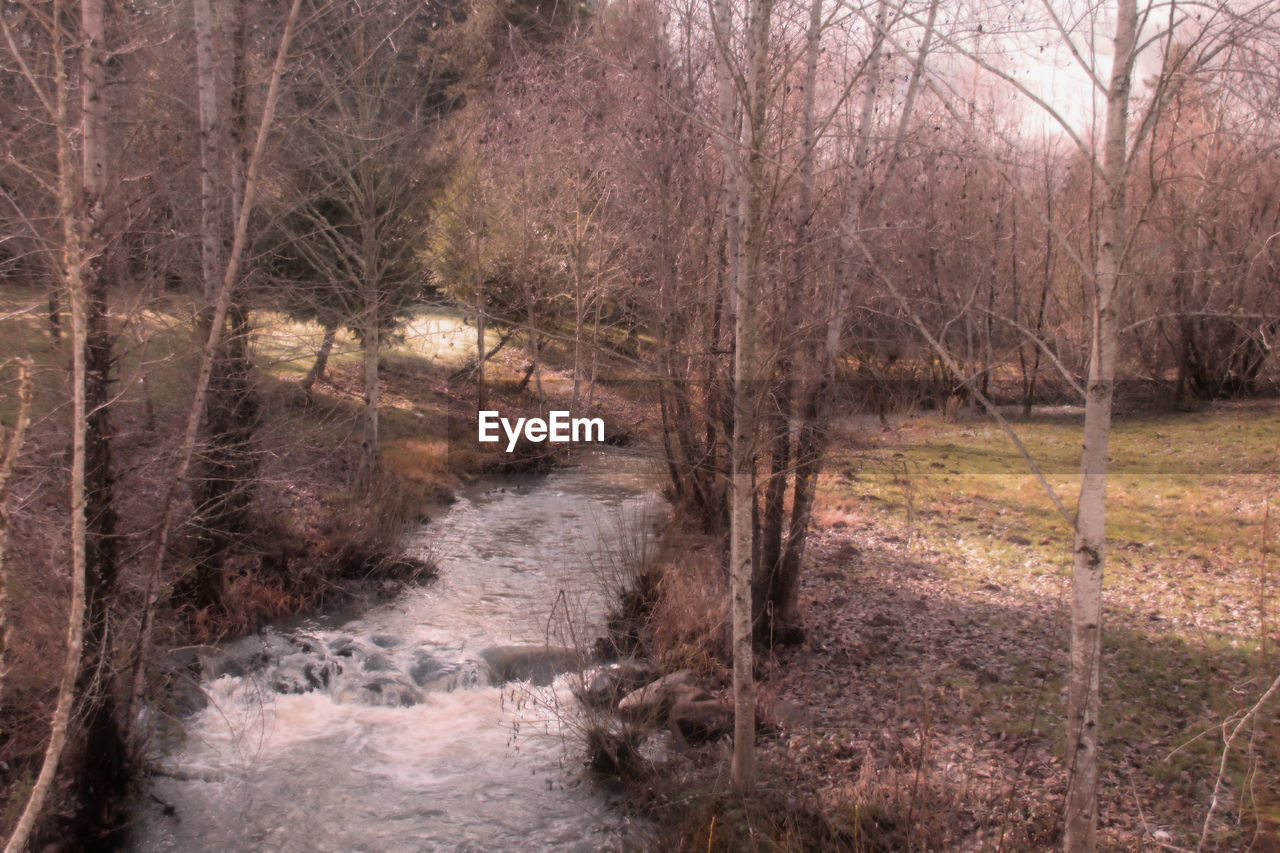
[(1107, 276), (73, 261), (744, 89), (358, 188), (1083, 694), (12, 450)]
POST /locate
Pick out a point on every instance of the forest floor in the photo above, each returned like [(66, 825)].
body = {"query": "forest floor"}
[(924, 708)]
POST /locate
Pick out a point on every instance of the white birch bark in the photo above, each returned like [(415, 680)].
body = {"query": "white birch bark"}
[(740, 540), (743, 157), (1083, 700)]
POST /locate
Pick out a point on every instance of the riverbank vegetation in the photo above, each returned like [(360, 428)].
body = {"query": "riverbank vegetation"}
[(312, 539), (919, 710), (261, 266)]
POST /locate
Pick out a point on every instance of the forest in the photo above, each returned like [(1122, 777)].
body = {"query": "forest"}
[(941, 330)]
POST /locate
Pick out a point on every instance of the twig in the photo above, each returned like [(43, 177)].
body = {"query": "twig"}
[(1146, 826), (11, 453), (1226, 753)]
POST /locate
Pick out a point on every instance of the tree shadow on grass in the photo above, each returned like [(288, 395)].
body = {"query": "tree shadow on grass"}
[(944, 708)]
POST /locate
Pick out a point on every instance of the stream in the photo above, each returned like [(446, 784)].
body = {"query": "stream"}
[(435, 722)]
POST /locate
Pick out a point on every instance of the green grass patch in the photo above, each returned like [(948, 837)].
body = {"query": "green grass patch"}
[(1187, 501)]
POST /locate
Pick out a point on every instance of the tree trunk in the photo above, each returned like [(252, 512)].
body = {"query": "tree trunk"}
[(778, 429), (810, 446), (746, 198), (595, 356), (222, 493), (55, 316), (578, 319), (1030, 385), (531, 367), (369, 429), (535, 349), (783, 574), (103, 775), (481, 358), (73, 259), (742, 768), (237, 131), (1083, 701), (316, 372), (12, 451), (207, 98)]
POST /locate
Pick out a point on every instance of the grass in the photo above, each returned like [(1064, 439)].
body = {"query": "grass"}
[(1189, 631), (1186, 507), (436, 334), (708, 815)]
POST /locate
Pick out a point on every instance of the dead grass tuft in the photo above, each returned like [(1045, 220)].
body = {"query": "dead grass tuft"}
[(690, 616)]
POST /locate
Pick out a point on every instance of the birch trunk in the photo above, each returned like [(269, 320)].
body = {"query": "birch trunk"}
[(742, 770), (747, 392), (744, 179), (1083, 701), (73, 259)]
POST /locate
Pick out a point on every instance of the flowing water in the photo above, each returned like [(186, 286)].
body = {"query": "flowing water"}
[(387, 732)]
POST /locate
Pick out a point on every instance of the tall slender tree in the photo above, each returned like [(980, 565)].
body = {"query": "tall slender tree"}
[(73, 256)]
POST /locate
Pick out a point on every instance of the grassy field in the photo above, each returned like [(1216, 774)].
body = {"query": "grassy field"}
[(1187, 509), (924, 708), (1191, 589)]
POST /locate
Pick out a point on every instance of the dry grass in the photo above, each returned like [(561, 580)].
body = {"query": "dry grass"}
[(690, 617)]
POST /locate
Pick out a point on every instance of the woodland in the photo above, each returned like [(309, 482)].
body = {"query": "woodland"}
[(948, 325)]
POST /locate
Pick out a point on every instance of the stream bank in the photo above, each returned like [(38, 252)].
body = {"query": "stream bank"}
[(432, 720)]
